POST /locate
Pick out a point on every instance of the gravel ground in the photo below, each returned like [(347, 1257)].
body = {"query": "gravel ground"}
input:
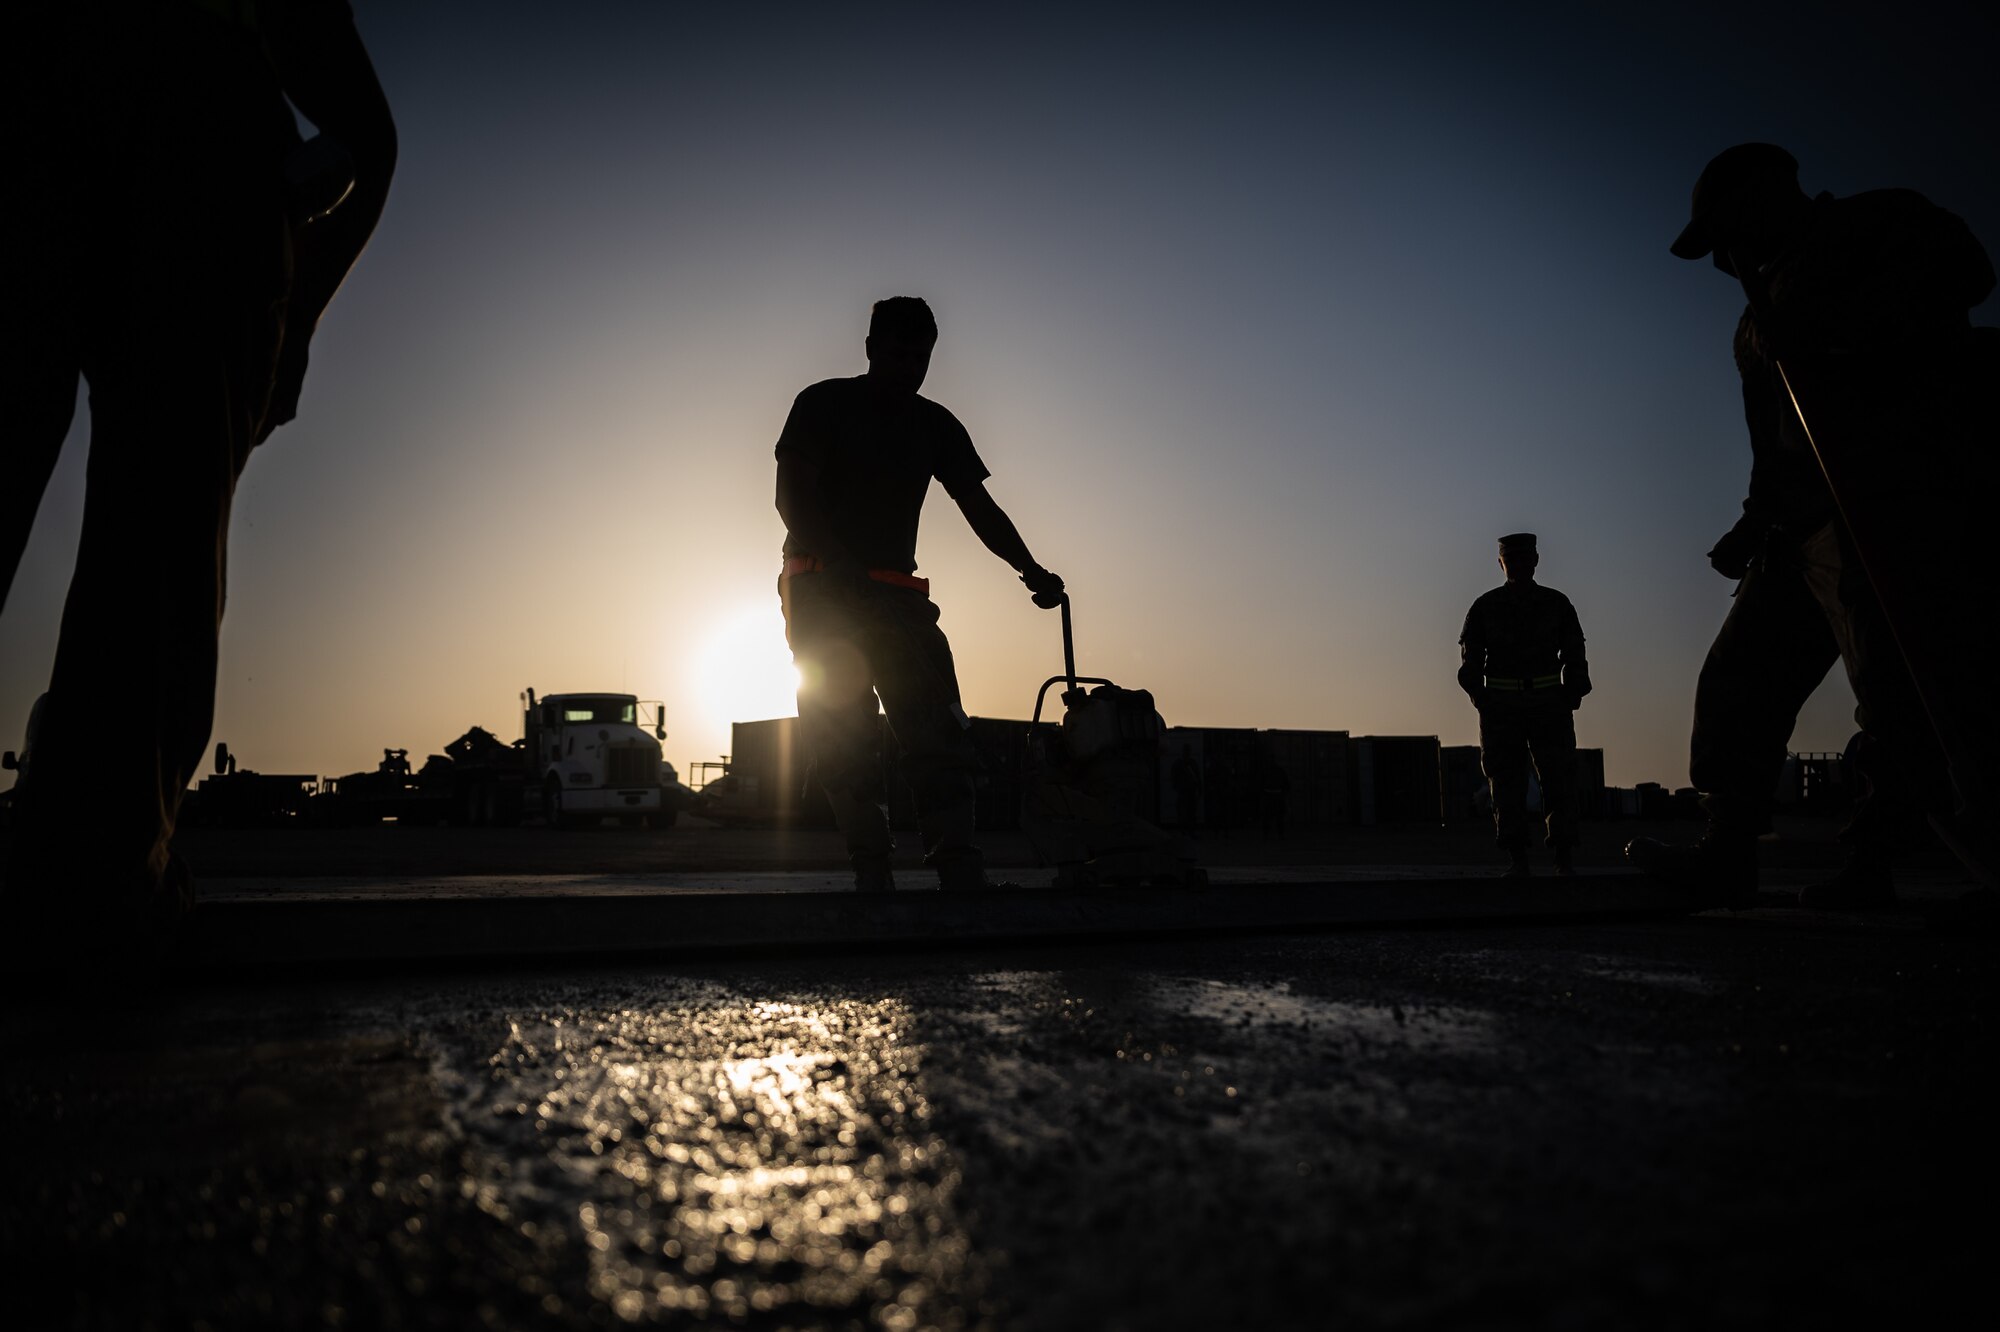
[(1723, 1121)]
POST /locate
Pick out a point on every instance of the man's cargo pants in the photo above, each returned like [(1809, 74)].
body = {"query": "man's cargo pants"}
[(1514, 727), (852, 640), (166, 292), (1797, 611)]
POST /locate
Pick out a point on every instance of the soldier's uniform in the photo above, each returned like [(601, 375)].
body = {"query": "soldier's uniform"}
[(1523, 666), (1872, 297), (871, 630)]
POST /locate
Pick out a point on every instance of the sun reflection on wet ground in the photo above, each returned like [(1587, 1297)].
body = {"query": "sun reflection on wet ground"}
[(1548, 1128), (726, 1157)]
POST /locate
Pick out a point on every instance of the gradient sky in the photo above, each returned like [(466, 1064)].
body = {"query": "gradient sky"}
[(1267, 321)]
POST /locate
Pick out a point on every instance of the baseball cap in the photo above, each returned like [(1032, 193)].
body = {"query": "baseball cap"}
[(1727, 174)]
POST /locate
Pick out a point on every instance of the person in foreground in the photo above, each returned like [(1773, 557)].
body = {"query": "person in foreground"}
[(855, 461), (1521, 663), (1859, 306), (172, 242)]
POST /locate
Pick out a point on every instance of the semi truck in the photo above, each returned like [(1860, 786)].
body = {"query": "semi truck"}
[(590, 759)]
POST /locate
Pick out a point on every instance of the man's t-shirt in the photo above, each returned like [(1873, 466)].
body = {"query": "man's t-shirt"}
[(876, 454)]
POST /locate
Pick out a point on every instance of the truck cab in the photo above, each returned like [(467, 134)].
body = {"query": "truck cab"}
[(592, 759)]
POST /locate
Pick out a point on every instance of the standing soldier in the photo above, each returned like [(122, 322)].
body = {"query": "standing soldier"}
[(1522, 665), (854, 463), (1865, 299)]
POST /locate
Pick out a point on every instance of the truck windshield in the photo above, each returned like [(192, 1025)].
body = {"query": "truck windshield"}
[(619, 710)]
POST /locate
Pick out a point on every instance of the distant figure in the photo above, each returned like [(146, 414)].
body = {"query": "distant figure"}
[(1866, 299), (172, 241), (854, 462), (1521, 663), (1187, 789)]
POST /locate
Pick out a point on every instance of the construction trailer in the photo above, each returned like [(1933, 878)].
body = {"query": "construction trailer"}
[(1464, 783), (765, 780), (1817, 783), (1396, 780), (1250, 779)]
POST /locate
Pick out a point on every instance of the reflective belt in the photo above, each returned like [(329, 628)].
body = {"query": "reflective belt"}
[(1516, 685), (800, 564)]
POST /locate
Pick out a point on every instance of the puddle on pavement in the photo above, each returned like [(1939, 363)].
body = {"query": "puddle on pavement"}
[(1633, 973), (1252, 1004), (725, 1157), (1435, 1028)]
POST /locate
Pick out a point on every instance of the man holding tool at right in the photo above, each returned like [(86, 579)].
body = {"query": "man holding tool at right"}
[(1862, 381), (855, 461)]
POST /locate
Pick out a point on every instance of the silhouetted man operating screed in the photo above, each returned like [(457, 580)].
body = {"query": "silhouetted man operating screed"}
[(1521, 663), (1867, 395), (172, 241), (854, 463)]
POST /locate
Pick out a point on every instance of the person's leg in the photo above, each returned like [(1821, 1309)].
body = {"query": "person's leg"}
[(838, 719), (1503, 757), (913, 669), (1902, 767), (40, 269), (1552, 740), (1771, 653), (38, 379), (179, 358), (132, 693)]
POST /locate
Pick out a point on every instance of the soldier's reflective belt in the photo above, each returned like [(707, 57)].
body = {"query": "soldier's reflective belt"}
[(1516, 685), (800, 564)]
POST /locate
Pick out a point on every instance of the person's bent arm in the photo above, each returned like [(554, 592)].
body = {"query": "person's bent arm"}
[(996, 530), (1575, 668), (327, 75), (1472, 672)]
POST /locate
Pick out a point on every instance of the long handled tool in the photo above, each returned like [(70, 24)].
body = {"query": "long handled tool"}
[(1090, 839), (1069, 677)]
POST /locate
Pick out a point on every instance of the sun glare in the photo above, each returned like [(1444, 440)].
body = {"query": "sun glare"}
[(746, 669)]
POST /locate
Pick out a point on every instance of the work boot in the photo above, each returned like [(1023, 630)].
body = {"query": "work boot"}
[(1517, 864), (873, 877), (1565, 862), (962, 874), (1865, 882), (1718, 871)]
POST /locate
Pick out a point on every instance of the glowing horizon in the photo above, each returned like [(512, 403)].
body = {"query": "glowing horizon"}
[(1267, 328)]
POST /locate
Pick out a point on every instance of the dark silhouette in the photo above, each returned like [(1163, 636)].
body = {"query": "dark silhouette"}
[(1274, 793), (854, 463), (173, 242), (1521, 662), (1862, 382), (1187, 790)]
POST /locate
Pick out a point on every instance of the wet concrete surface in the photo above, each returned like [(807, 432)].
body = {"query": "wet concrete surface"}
[(1718, 1121)]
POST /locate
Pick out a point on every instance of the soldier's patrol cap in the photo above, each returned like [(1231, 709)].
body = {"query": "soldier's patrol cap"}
[(1517, 541), (1725, 176)]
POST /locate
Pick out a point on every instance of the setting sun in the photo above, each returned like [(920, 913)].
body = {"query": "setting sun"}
[(746, 670)]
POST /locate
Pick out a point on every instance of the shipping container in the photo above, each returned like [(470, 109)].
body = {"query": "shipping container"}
[(1396, 779), (1463, 782)]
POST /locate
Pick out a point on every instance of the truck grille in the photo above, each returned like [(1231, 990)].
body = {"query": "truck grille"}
[(631, 767)]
